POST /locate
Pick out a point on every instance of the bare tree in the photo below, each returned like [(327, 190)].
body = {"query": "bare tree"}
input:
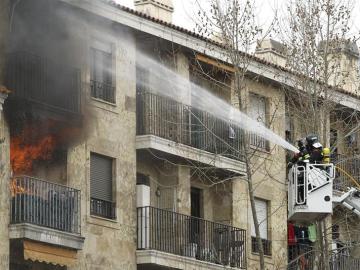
[(316, 38), (233, 24)]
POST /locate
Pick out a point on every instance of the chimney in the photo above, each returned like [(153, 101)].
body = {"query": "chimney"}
[(344, 64), (271, 51), (159, 9)]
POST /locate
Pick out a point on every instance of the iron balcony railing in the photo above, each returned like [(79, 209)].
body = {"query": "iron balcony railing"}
[(45, 204), (265, 243), (40, 80), (102, 208), (310, 259), (187, 236), (169, 119), (102, 90), (347, 166), (339, 261)]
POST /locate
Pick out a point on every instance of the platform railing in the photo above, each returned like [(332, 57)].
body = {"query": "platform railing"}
[(45, 204)]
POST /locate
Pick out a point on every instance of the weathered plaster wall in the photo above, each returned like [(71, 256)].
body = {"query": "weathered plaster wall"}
[(4, 147), (269, 181), (109, 244), (4, 192)]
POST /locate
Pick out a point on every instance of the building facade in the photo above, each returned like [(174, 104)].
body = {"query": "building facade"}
[(105, 166)]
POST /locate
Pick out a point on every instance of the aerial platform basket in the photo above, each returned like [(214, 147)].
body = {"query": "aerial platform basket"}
[(310, 191)]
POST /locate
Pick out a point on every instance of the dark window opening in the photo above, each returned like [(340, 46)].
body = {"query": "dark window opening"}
[(196, 212)]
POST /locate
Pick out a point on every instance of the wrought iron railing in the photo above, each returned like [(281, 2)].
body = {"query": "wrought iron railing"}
[(299, 255), (102, 91), (265, 243), (102, 208), (40, 80), (347, 172), (172, 120), (309, 259), (183, 235), (340, 261), (45, 204)]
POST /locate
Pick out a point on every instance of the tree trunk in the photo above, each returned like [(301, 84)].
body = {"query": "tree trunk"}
[(240, 89)]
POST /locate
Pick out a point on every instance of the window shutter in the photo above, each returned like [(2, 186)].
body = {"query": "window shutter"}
[(101, 179), (262, 215)]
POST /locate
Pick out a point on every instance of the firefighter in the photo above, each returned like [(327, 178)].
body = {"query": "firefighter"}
[(326, 155), (301, 155), (314, 149)]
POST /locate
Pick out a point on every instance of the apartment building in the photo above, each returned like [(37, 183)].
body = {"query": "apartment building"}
[(102, 171)]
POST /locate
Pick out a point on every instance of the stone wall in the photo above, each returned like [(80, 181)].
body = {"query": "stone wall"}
[(110, 130), (4, 146), (269, 181)]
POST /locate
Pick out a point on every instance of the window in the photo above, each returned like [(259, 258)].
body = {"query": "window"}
[(101, 186), (262, 215), (101, 72), (257, 111)]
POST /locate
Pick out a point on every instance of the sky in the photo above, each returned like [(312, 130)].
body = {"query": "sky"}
[(185, 11)]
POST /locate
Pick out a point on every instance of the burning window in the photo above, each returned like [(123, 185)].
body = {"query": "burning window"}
[(101, 186), (102, 72)]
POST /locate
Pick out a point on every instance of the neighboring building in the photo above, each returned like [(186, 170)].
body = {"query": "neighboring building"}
[(118, 176)]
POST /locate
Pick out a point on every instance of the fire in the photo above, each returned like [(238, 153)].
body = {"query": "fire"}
[(37, 142), (15, 188), (22, 155)]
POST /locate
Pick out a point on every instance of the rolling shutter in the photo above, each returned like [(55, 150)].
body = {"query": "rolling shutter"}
[(101, 173), (262, 215)]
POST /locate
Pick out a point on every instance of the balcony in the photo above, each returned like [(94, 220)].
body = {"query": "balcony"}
[(45, 212), (265, 243), (103, 91), (179, 129), (44, 83), (170, 239), (102, 208), (347, 171)]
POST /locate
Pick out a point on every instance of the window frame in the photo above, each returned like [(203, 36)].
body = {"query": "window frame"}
[(113, 203), (103, 86), (267, 243), (260, 143)]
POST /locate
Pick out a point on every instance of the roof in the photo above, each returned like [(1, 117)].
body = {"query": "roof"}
[(185, 31), (211, 41)]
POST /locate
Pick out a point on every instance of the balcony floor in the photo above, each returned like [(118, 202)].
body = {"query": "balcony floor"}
[(46, 235), (188, 152), (149, 259)]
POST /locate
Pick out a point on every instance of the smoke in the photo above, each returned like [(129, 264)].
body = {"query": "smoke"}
[(163, 81), (62, 34)]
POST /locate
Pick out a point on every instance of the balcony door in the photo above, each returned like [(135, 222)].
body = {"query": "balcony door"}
[(196, 213)]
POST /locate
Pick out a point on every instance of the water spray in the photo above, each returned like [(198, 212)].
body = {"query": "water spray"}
[(165, 82)]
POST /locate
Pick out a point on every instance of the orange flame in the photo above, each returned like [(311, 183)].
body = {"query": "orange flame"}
[(17, 189), (23, 155), (37, 142)]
